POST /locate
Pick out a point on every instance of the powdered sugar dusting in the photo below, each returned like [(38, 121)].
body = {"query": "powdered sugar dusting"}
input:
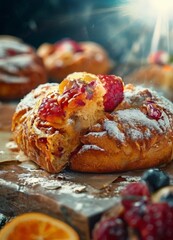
[(113, 130), (134, 134), (18, 46), (13, 79), (164, 122), (90, 147), (31, 98), (13, 64), (97, 134), (135, 118)]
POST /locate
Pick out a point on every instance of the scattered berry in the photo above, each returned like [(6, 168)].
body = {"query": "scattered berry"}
[(111, 229), (140, 218), (155, 179), (136, 189), (153, 221), (114, 91), (134, 215)]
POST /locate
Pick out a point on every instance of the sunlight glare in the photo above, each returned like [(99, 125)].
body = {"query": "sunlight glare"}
[(162, 7)]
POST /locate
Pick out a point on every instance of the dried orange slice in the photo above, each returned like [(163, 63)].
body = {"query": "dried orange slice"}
[(37, 226)]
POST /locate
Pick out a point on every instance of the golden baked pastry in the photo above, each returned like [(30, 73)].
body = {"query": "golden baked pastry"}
[(67, 56), (20, 68), (137, 134), (90, 124), (48, 122), (157, 73)]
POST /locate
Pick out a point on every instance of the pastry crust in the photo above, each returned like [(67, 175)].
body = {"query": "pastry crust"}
[(21, 69), (50, 141), (61, 61), (130, 137)]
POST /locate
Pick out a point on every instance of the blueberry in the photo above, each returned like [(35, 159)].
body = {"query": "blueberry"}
[(3, 220), (155, 179), (167, 198)]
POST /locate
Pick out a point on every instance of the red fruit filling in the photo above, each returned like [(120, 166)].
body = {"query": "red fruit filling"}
[(50, 109), (68, 45), (153, 112), (73, 96), (75, 91), (114, 91)]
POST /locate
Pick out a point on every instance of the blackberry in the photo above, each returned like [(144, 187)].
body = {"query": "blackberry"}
[(155, 179)]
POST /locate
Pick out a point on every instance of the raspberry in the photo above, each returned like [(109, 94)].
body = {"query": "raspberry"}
[(136, 189), (152, 221), (68, 45), (110, 229), (134, 214), (114, 91), (50, 110)]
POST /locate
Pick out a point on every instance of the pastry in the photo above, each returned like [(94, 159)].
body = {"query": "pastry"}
[(67, 56), (157, 73), (94, 123), (20, 68), (137, 134), (49, 120)]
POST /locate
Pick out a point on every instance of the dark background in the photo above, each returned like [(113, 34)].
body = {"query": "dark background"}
[(39, 21)]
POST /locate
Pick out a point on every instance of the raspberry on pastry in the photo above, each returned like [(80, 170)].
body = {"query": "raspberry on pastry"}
[(48, 131), (68, 56), (21, 69)]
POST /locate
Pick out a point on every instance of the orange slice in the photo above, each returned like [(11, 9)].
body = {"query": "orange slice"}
[(37, 226)]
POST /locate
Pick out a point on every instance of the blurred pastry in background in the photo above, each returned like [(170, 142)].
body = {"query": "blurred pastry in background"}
[(21, 69), (158, 73), (68, 56)]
